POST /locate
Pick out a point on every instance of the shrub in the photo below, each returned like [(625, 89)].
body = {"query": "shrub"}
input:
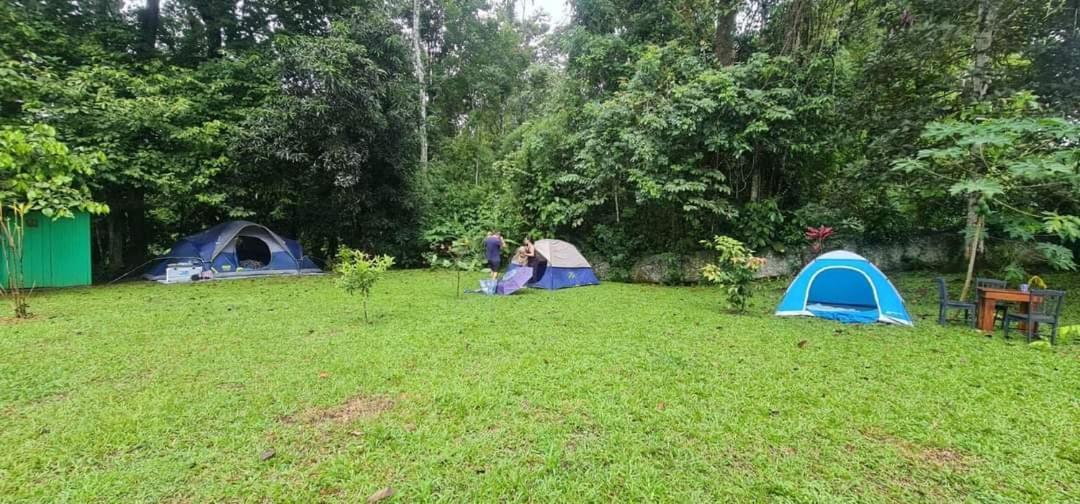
[(733, 271), (817, 238), (358, 272), (761, 224)]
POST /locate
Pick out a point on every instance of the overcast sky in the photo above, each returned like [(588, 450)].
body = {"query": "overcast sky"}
[(558, 11)]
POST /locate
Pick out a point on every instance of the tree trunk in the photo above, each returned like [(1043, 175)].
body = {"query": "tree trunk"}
[(724, 37), (617, 212), (149, 22), (984, 39), (796, 19), (971, 256), (212, 18), (972, 220), (419, 67), (980, 85), (116, 241), (135, 227)]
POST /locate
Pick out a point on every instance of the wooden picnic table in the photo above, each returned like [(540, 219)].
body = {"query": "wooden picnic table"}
[(987, 301)]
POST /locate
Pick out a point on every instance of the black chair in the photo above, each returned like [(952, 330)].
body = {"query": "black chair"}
[(945, 304), (1001, 306), (1045, 312)]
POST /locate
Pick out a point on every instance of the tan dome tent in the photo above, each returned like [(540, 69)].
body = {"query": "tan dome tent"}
[(560, 265)]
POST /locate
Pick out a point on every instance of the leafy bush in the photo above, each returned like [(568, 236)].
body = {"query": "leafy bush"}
[(733, 271), (761, 224), (357, 272), (612, 244)]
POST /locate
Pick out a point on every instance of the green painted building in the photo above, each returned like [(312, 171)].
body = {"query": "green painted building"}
[(56, 253)]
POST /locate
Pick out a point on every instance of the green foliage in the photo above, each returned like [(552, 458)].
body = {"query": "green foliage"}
[(358, 272), (38, 173), (673, 152), (631, 129), (733, 270), (1010, 162), (332, 142), (761, 225)]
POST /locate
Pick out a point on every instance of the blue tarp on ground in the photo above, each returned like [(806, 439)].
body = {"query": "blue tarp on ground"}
[(226, 248), (514, 280), (844, 286)]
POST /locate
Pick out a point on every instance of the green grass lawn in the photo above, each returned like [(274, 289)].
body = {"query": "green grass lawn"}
[(145, 392)]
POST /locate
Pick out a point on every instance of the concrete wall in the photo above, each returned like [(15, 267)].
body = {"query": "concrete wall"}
[(942, 252)]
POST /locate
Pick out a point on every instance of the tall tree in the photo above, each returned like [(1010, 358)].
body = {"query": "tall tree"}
[(724, 39), (421, 84), (149, 24)]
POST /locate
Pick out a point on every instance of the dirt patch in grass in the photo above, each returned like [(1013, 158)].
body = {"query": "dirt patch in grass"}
[(925, 455), (357, 407), (15, 320)]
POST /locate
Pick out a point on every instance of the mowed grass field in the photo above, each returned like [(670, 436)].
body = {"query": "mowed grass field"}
[(275, 390)]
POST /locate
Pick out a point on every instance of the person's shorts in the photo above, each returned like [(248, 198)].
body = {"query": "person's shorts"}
[(494, 265)]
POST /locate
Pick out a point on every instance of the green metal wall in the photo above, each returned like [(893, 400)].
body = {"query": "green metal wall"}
[(56, 253)]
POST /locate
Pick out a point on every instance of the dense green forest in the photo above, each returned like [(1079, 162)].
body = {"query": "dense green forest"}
[(638, 127)]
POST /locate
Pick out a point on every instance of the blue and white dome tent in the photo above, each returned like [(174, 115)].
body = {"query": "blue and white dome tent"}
[(844, 286), (237, 249)]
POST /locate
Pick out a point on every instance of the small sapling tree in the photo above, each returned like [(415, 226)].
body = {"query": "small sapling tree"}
[(733, 270), (457, 256), (38, 173), (358, 272)]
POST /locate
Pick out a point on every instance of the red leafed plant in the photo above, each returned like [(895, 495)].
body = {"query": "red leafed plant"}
[(817, 236)]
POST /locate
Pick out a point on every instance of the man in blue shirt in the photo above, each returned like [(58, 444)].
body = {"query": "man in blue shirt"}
[(493, 246)]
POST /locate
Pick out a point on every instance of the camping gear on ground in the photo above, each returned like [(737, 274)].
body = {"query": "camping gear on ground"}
[(182, 272), (844, 286), (1043, 308), (559, 265), (945, 304), (514, 280), (487, 287), (225, 250), (511, 282)]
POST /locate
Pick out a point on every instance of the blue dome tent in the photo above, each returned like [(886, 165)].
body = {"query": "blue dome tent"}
[(559, 265), (844, 286), (236, 249)]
